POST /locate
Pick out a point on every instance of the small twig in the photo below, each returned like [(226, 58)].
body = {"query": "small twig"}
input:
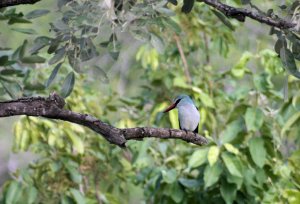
[(240, 14), (206, 48), (185, 64)]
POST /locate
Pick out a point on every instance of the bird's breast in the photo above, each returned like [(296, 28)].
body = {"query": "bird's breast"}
[(189, 117)]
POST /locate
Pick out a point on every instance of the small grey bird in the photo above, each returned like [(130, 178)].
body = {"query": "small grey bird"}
[(188, 113)]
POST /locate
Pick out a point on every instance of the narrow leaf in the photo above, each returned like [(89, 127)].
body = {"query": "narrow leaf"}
[(68, 85), (53, 75), (257, 151)]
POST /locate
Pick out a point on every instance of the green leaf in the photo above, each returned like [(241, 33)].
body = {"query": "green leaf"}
[(157, 43), (32, 194), (173, 25), (231, 131), (53, 74), (228, 192), (230, 148), (233, 164), (3, 60), (258, 151), (100, 74), (77, 142), (212, 174), (204, 97), (198, 158), (240, 68), (169, 176), (74, 174), (189, 183), (223, 18), (165, 11), (13, 192), (59, 54), (254, 119), (213, 155), (28, 31), (23, 49), (287, 125), (187, 6), (33, 59), (288, 61), (37, 13), (54, 44), (68, 85), (78, 197)]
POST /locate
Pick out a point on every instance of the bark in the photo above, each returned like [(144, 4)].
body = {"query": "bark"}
[(53, 108), (7, 3)]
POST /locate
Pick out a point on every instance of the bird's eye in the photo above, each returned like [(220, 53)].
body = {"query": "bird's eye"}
[(177, 101)]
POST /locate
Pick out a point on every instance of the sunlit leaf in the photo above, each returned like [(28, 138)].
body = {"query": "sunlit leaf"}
[(212, 174), (198, 157), (213, 155), (232, 164)]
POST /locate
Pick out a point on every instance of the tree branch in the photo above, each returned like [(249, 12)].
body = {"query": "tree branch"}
[(52, 107), (7, 3), (240, 14)]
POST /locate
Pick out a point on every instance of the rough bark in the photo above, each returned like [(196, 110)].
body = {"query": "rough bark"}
[(52, 107)]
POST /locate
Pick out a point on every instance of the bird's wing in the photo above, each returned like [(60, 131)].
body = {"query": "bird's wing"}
[(196, 130)]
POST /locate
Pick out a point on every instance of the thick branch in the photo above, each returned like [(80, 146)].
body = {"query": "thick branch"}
[(241, 13), (52, 107), (6, 3)]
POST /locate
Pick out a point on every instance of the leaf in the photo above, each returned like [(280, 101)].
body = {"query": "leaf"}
[(100, 74), (173, 25), (230, 148), (254, 119), (37, 13), (53, 75), (54, 44), (189, 183), (232, 164), (204, 97), (187, 6), (32, 194), (3, 60), (165, 11), (68, 85), (231, 131), (213, 155), (39, 43), (77, 142), (33, 59), (28, 31), (198, 158), (157, 43), (228, 192), (13, 192), (257, 151), (169, 176), (23, 49), (115, 55), (290, 122), (78, 197), (212, 174), (288, 61), (224, 19), (74, 174), (59, 54)]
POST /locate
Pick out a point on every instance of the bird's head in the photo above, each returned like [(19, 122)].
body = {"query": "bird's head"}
[(179, 101)]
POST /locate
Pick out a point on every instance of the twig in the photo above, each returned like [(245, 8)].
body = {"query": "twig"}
[(185, 64), (7, 3)]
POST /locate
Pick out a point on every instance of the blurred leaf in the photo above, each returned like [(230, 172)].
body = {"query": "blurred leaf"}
[(287, 125), (157, 43), (258, 151), (53, 74), (204, 97), (198, 157), (169, 176), (212, 174), (3, 60), (37, 13), (189, 183), (232, 164), (100, 74), (231, 131), (254, 119), (230, 148), (68, 85), (59, 54), (33, 59), (213, 155), (288, 62), (228, 192), (13, 192), (223, 18), (78, 197), (28, 31)]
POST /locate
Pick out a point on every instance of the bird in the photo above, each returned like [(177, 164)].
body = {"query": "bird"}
[(188, 113)]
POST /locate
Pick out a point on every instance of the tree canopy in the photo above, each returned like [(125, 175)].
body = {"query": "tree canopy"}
[(91, 79)]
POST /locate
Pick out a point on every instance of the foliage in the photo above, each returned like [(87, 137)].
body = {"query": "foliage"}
[(249, 109)]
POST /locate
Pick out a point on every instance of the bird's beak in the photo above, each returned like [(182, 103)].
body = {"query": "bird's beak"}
[(170, 108)]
